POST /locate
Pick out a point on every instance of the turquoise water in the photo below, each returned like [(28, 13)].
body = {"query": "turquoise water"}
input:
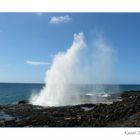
[(12, 93)]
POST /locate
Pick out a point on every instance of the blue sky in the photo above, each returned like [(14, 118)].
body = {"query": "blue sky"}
[(28, 42)]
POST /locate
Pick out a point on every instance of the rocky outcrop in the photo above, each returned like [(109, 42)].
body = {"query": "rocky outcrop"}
[(118, 114), (23, 102)]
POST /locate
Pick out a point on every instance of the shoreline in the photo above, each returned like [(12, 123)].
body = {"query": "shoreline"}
[(125, 113)]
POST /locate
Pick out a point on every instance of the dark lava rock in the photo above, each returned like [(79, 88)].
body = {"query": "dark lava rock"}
[(23, 102), (130, 94), (118, 114), (88, 105)]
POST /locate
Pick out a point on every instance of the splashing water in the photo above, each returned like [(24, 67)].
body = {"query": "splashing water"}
[(79, 64)]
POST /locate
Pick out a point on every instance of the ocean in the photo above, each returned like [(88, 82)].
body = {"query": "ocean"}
[(12, 93)]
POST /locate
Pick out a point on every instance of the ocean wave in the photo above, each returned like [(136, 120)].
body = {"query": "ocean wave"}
[(93, 94)]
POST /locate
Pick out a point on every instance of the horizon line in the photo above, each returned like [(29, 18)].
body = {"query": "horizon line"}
[(21, 83), (75, 83)]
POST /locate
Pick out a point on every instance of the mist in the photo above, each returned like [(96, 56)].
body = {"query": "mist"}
[(80, 64)]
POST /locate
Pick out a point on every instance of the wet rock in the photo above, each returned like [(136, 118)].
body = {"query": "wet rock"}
[(136, 116), (5, 116), (10, 123), (88, 105), (120, 113), (2, 123), (23, 102)]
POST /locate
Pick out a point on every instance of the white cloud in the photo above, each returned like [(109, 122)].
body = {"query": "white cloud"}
[(60, 19), (37, 63)]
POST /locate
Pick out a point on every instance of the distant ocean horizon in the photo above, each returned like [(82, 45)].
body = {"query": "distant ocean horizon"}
[(12, 93)]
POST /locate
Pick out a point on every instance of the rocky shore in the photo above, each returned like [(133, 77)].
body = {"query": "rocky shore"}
[(124, 113)]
